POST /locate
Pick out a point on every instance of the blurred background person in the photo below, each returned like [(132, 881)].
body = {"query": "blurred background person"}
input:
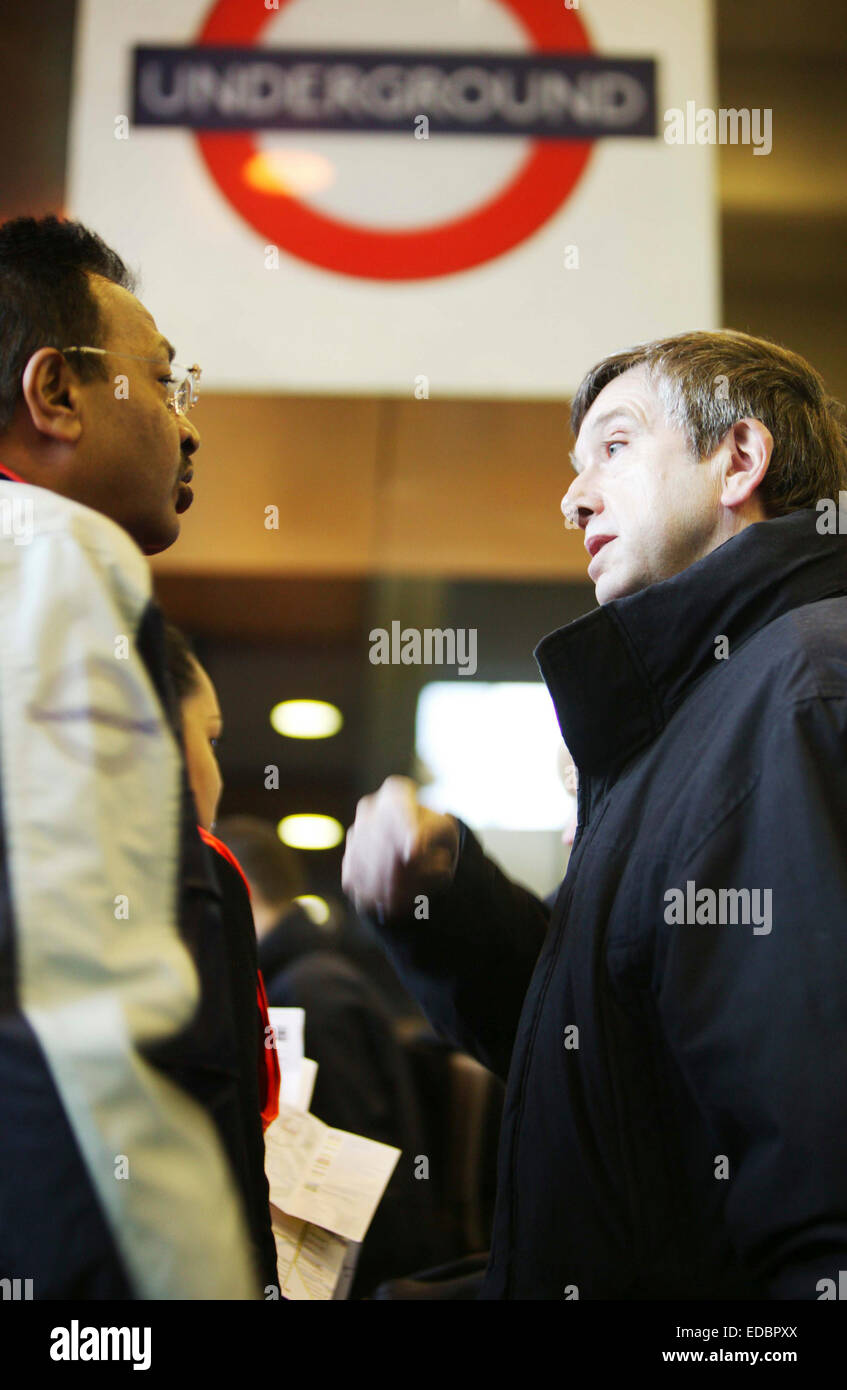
[(258, 1069), (286, 928), (364, 1083)]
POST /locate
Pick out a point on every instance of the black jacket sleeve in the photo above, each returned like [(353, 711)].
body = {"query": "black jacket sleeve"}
[(243, 1134), (756, 1014), (469, 962)]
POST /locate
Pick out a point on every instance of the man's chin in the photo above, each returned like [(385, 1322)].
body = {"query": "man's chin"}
[(161, 540), (612, 585), (605, 589)]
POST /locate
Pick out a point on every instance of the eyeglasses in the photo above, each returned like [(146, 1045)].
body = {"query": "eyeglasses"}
[(183, 391)]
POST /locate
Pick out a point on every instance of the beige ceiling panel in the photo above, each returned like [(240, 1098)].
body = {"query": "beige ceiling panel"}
[(311, 458), (474, 488), (804, 171)]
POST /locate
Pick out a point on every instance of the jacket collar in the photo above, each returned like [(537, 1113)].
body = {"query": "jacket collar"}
[(8, 474), (617, 674)]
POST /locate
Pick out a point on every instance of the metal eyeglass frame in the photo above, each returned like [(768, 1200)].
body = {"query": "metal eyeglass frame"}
[(183, 391)]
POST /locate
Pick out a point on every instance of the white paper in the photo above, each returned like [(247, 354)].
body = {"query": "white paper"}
[(312, 1264), (325, 1176), (297, 1074), (288, 1026), (303, 1084)]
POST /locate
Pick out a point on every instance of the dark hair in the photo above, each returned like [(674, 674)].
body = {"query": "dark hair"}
[(273, 869), (181, 662), (46, 298), (708, 381)]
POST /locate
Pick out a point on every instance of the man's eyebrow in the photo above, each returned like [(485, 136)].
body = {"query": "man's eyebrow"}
[(169, 348), (603, 420)]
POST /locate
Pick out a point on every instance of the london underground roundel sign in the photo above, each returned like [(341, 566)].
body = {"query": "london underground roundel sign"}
[(503, 221)]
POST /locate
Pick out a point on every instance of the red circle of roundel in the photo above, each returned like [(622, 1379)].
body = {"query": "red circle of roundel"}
[(538, 189)]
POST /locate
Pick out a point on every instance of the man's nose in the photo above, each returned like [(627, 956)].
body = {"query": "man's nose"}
[(579, 504), (189, 436)]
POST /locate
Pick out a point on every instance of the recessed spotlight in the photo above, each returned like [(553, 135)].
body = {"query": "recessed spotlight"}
[(315, 907), (310, 831), (306, 718)]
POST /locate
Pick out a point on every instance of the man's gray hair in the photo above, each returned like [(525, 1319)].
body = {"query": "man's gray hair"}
[(708, 381)]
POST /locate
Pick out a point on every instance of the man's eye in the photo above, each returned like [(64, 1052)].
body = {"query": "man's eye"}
[(614, 444)]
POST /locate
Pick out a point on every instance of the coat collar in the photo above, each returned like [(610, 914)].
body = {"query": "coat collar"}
[(9, 475), (617, 674)]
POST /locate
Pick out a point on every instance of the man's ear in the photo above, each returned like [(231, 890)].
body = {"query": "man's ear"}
[(52, 396), (747, 449)]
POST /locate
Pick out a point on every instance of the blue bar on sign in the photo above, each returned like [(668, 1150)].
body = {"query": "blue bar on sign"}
[(554, 96)]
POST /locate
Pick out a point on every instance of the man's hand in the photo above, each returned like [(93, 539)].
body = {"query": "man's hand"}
[(397, 849)]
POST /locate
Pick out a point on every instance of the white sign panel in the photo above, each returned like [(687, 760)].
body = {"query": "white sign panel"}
[(466, 197)]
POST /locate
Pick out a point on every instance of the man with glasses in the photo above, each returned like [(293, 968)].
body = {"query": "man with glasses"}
[(106, 423), (118, 1105), (182, 382)]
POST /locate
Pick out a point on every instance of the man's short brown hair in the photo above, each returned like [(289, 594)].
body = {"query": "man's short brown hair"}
[(274, 870), (708, 381)]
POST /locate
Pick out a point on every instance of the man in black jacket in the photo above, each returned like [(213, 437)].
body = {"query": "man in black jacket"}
[(675, 1031)]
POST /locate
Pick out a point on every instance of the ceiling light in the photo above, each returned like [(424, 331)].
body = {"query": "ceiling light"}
[(315, 907), (306, 719), (310, 832)]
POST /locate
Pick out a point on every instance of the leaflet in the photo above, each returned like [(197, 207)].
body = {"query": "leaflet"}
[(312, 1264), (297, 1072), (324, 1176)]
